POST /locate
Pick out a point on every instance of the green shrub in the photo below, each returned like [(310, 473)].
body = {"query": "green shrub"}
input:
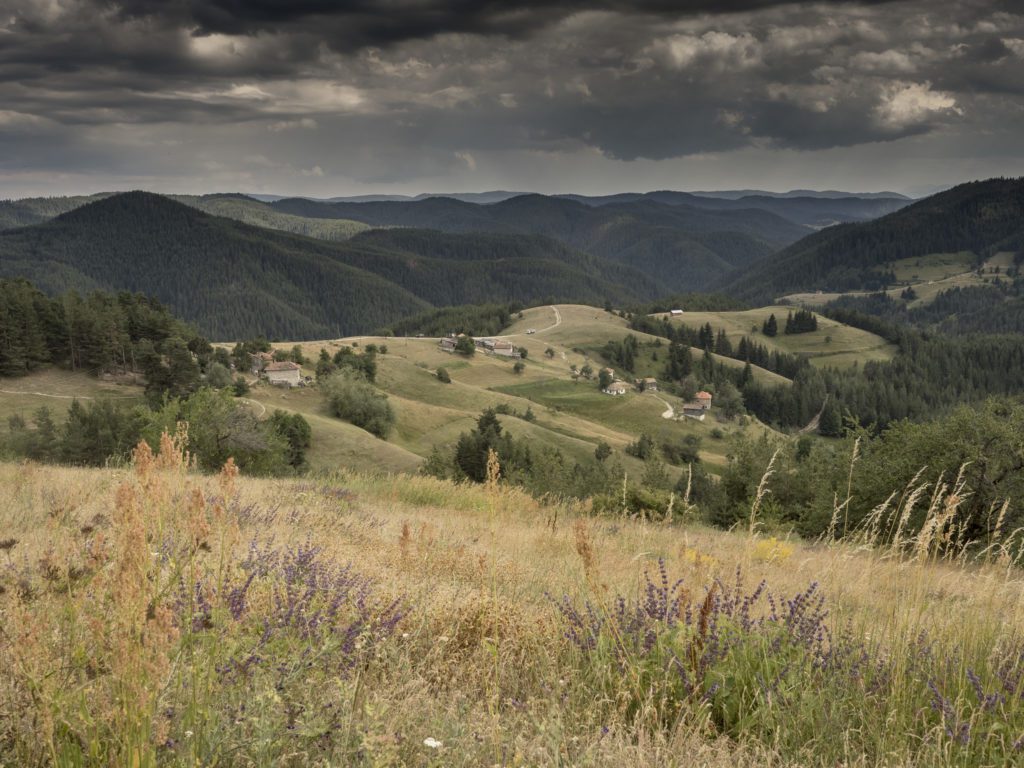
[(352, 398)]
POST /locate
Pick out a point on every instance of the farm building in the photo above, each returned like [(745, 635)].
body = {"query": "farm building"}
[(676, 312), (260, 361), (284, 373), (498, 347), (650, 384), (616, 388), (693, 411), (703, 399), (448, 343)]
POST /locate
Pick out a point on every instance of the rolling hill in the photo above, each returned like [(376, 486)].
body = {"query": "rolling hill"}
[(983, 218), (682, 247), (234, 280)]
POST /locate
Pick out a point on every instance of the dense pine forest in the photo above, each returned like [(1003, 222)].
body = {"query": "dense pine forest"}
[(235, 281)]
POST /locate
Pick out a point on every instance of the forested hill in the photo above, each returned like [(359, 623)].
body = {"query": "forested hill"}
[(230, 279), (233, 280), (682, 247), (35, 210), (983, 217)]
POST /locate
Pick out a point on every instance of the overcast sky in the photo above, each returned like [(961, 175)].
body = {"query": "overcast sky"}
[(333, 97)]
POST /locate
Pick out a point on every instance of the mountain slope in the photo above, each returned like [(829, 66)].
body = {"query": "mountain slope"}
[(35, 210), (230, 279), (234, 280), (681, 247), (981, 217)]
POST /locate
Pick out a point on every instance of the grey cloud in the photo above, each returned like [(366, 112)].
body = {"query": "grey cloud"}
[(390, 91)]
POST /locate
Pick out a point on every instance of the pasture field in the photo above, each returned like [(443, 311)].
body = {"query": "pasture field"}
[(153, 616), (928, 275), (430, 413), (833, 344), (573, 417), (56, 389)]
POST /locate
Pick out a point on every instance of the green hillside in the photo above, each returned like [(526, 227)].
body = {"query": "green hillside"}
[(982, 218), (235, 281), (35, 210), (832, 344), (230, 279)]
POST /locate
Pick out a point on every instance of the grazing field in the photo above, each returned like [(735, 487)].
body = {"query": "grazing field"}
[(928, 276), (575, 420), (833, 344), (149, 615), (56, 389)]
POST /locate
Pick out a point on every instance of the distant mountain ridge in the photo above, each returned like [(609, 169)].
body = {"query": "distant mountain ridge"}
[(681, 246)]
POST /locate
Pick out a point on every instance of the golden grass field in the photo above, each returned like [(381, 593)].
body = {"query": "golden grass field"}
[(96, 669)]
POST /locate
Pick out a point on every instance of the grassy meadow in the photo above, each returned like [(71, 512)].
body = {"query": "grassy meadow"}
[(928, 275), (833, 344), (572, 416), (153, 616)]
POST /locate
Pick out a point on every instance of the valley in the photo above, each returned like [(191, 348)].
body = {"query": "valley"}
[(571, 415)]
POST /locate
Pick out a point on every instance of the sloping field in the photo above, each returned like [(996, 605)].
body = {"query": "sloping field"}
[(572, 416), (833, 344)]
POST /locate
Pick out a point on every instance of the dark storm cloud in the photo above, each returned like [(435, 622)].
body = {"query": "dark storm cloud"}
[(345, 24), (400, 89)]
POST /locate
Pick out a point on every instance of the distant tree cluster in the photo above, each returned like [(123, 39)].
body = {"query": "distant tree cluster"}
[(801, 321), (471, 319), (219, 427), (622, 353), (350, 396), (347, 359)]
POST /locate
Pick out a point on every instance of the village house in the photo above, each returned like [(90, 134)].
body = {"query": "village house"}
[(649, 384), (693, 411), (448, 343), (498, 347), (284, 373), (261, 360), (698, 408), (616, 388), (609, 371)]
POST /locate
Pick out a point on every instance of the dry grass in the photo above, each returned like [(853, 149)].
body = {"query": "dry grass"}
[(97, 669)]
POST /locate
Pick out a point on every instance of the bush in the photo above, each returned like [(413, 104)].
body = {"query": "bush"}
[(352, 398), (218, 376), (442, 376), (519, 367)]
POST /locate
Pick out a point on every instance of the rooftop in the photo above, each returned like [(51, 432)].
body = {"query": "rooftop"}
[(285, 365)]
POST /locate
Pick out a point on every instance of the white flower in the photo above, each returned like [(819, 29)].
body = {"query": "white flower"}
[(433, 743)]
